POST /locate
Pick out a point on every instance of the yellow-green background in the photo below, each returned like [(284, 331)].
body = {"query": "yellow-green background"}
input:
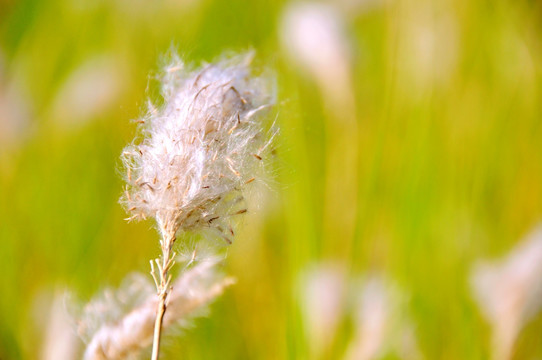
[(450, 164)]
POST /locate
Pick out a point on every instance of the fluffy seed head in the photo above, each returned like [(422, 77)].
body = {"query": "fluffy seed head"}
[(119, 324), (200, 148)]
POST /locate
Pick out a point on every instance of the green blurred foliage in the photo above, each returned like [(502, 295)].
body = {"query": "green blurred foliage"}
[(449, 164)]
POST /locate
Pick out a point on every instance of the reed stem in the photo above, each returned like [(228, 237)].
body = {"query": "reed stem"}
[(163, 290)]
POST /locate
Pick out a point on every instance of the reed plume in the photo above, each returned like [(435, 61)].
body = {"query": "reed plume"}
[(509, 291), (120, 324), (198, 152)]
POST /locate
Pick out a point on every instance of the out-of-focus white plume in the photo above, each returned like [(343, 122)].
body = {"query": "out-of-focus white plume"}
[(509, 291), (118, 325), (322, 302), (381, 323), (88, 92), (314, 37)]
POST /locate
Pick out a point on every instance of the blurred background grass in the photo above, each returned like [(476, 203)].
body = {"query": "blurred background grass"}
[(446, 115)]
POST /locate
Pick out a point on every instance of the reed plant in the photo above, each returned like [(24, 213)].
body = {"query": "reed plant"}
[(189, 169)]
